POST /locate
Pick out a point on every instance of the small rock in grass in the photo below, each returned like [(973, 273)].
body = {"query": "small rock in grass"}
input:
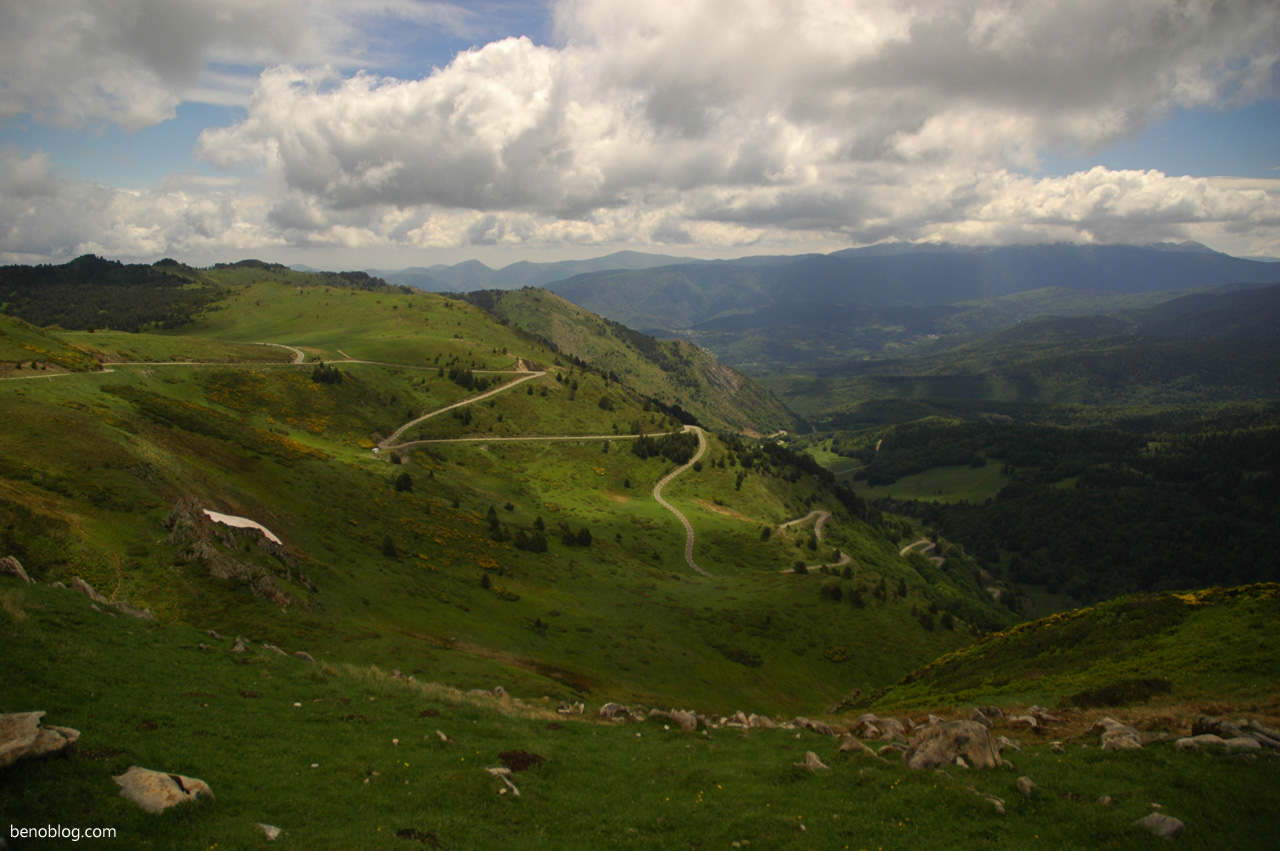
[(1026, 786), (812, 763), (156, 791), (1162, 825), (270, 831)]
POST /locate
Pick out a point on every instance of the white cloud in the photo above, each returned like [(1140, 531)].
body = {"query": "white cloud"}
[(795, 115), (707, 122), (132, 62)]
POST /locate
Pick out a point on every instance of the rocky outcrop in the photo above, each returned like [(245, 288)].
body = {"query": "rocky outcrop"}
[(23, 736), (156, 791), (11, 566), (942, 744), (228, 553)]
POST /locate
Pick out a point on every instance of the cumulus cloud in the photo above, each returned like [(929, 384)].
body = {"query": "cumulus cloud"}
[(132, 62), (853, 118), (129, 61), (713, 122)]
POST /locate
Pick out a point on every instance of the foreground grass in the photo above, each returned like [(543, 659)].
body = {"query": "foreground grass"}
[(310, 749)]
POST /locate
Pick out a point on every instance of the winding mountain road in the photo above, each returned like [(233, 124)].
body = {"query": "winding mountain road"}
[(925, 546), (525, 371), (657, 494), (390, 442)]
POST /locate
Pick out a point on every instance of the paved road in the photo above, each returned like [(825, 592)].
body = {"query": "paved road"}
[(657, 494)]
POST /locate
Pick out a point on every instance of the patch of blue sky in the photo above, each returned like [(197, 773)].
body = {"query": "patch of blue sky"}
[(104, 153), (1198, 142)]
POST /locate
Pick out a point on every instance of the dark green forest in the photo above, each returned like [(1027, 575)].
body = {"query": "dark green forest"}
[(90, 292), (1094, 513)]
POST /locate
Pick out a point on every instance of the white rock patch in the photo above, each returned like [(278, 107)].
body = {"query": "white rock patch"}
[(242, 523)]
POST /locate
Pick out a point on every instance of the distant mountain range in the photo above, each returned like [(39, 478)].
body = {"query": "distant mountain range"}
[(660, 294), (474, 275)]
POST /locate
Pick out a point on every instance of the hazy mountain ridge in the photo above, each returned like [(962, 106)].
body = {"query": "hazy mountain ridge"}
[(916, 276), (673, 371)]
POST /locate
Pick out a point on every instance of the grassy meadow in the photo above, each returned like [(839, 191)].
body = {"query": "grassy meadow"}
[(345, 756)]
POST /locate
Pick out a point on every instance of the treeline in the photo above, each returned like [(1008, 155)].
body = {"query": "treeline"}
[(677, 448), (1174, 512), (349, 280), (90, 293)]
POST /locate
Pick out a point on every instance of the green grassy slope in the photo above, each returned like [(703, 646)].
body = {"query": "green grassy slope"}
[(671, 371), (347, 757), (1210, 645), (417, 576)]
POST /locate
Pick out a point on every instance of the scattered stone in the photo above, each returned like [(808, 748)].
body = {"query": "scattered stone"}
[(891, 728), (23, 735), (305, 656), (57, 583), (274, 649), (13, 567), (761, 722), (1240, 729), (820, 727), (812, 763), (1042, 715), (1006, 743), (213, 633), (80, 586), (239, 646), (935, 720), (960, 763), (617, 712), (270, 831), (1024, 721), (978, 716), (133, 611), (1193, 743), (1162, 825), (1056, 747), (940, 744), (992, 712), (1026, 786), (849, 744), (687, 721), (1105, 801), (203, 648), (443, 737), (156, 791), (1243, 743), (1116, 736)]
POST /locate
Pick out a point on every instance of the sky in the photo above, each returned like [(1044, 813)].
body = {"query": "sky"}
[(356, 134)]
